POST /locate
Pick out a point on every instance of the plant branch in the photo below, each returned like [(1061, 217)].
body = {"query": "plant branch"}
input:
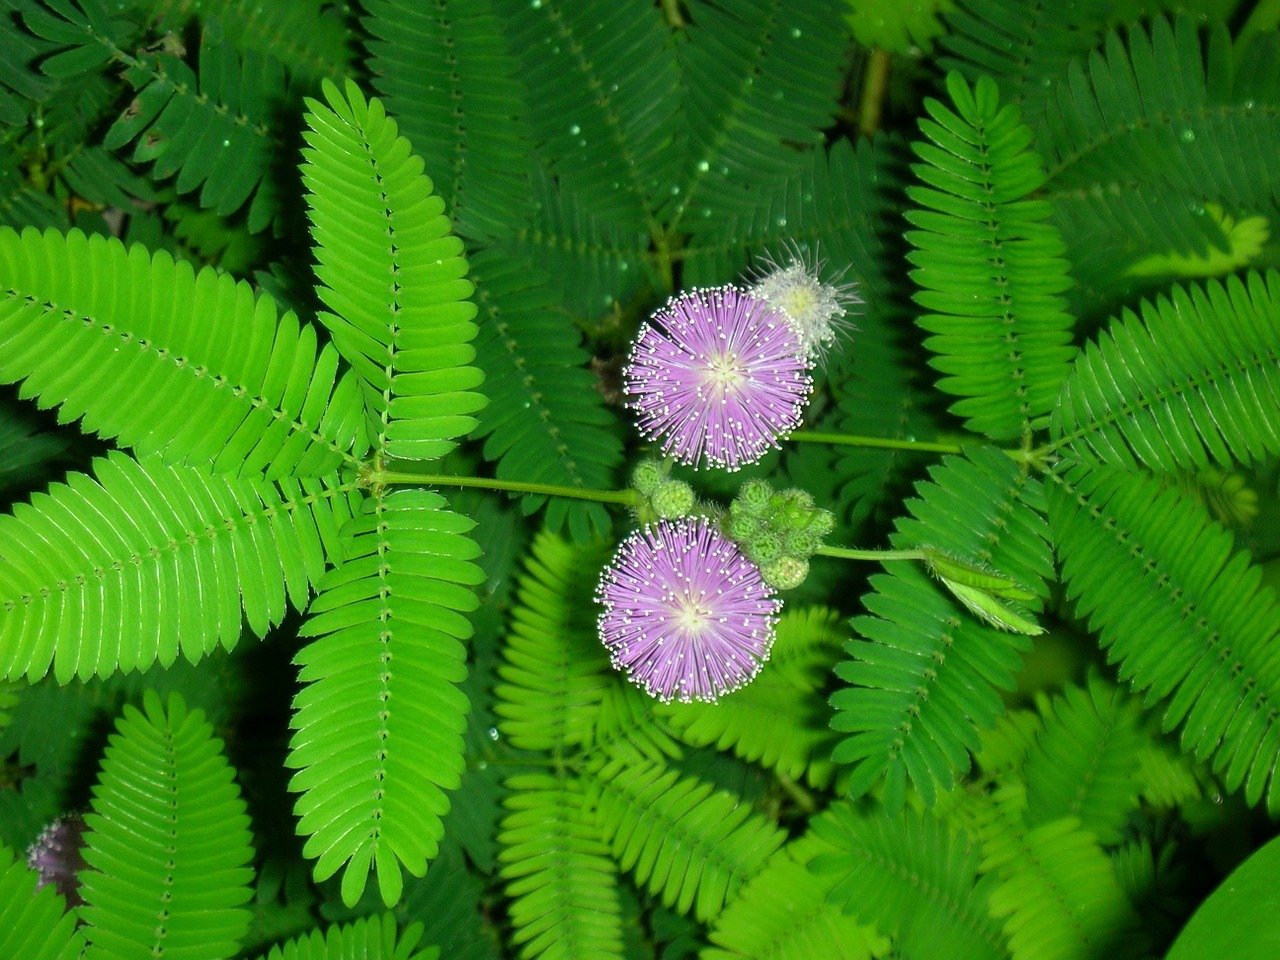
[(627, 497), (884, 443)]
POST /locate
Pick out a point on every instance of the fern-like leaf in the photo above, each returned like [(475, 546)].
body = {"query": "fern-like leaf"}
[(778, 719), (1195, 380), (911, 876), (372, 938), (170, 867), (1185, 615), (191, 366), (1058, 895), (149, 561), (989, 265), (602, 91), (391, 274), (1085, 764), (783, 914), (210, 129), (558, 872), (546, 422), (34, 922), (690, 844), (757, 74), (475, 139), (378, 728), (925, 679), (1133, 159), (556, 672)]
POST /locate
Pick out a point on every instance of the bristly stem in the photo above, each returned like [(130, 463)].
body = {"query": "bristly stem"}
[(849, 553), (626, 497), (884, 443)]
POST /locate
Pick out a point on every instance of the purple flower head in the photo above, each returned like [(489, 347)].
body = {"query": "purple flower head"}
[(717, 375), (686, 614), (57, 855)]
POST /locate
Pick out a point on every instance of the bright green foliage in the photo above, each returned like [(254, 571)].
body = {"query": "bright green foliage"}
[(190, 366), (373, 938), (149, 561), (1084, 763), (390, 271), (783, 914), (556, 671), (776, 720), (559, 876), (911, 874), (475, 138), (989, 264), (1058, 898), (169, 869), (1184, 614), (692, 845), (381, 708), (1195, 381), (925, 678), (34, 924)]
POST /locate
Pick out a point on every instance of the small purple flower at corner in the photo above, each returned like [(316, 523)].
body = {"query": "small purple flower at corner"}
[(717, 376), (686, 615), (57, 855)]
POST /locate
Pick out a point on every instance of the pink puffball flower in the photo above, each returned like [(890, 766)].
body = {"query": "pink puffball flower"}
[(718, 376), (686, 615)]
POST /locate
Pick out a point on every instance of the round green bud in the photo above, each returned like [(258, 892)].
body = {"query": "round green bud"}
[(647, 475), (742, 526), (802, 543), (673, 498), (764, 547), (785, 573), (821, 523), (753, 497)]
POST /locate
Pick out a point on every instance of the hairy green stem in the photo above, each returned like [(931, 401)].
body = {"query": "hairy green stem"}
[(884, 443), (627, 497), (875, 82)]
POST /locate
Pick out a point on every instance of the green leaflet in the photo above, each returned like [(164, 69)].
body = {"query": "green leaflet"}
[(925, 678), (755, 73), (190, 366), (1085, 763), (391, 272), (1194, 381), (602, 89), (169, 869), (988, 263), (692, 845), (1184, 614), (149, 561), (210, 129), (556, 673), (378, 726), (476, 139), (783, 914), (559, 876), (34, 922), (372, 938), (1136, 164), (912, 875)]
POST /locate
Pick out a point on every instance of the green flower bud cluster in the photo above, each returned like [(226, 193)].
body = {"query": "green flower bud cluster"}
[(665, 498), (778, 530)]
